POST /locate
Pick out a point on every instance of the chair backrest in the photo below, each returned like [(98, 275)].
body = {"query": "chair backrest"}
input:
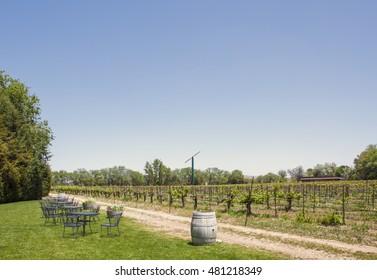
[(53, 203), (114, 218), (88, 207), (44, 203), (48, 211), (68, 218), (43, 207), (96, 208), (62, 196)]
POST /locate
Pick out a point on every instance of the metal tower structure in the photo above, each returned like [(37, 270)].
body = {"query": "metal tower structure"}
[(192, 167)]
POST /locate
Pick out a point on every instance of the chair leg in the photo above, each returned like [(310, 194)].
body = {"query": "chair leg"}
[(109, 230)]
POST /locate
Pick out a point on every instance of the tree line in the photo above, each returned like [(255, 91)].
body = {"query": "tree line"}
[(365, 168), (156, 173)]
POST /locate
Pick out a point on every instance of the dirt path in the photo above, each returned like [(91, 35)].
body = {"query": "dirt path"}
[(293, 246)]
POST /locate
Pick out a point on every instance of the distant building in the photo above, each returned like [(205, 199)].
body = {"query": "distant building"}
[(321, 179), (248, 177)]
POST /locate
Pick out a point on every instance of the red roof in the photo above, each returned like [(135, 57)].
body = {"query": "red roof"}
[(326, 178)]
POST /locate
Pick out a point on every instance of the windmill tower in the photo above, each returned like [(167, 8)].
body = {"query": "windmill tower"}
[(192, 167)]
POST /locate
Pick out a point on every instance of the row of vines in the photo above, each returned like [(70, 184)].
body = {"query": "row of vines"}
[(349, 200)]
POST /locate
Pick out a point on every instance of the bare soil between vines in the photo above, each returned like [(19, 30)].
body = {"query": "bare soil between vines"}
[(292, 246)]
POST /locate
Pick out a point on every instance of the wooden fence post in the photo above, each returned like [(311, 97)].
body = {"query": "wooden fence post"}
[(344, 207), (303, 200), (373, 195)]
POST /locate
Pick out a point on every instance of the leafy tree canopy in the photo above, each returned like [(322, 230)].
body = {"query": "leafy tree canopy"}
[(366, 163), (297, 173), (157, 174), (326, 169), (24, 144)]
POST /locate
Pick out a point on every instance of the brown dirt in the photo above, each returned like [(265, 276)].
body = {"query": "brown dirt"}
[(293, 246)]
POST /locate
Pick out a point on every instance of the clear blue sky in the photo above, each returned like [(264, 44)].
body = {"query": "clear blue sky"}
[(254, 85)]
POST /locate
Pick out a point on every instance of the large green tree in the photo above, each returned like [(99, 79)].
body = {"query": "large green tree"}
[(326, 169), (24, 144), (366, 163), (345, 171), (216, 176), (156, 173), (296, 173), (236, 177)]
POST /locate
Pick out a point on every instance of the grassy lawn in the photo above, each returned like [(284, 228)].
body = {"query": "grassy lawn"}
[(25, 237)]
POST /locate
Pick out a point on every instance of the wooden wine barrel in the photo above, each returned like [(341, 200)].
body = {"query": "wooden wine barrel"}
[(203, 228)]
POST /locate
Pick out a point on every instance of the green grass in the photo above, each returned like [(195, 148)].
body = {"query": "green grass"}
[(25, 237)]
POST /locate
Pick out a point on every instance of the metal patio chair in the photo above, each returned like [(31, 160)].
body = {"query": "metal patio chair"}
[(96, 209), (71, 221), (114, 219), (50, 212)]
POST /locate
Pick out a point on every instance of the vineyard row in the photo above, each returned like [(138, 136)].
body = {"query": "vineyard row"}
[(346, 198)]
